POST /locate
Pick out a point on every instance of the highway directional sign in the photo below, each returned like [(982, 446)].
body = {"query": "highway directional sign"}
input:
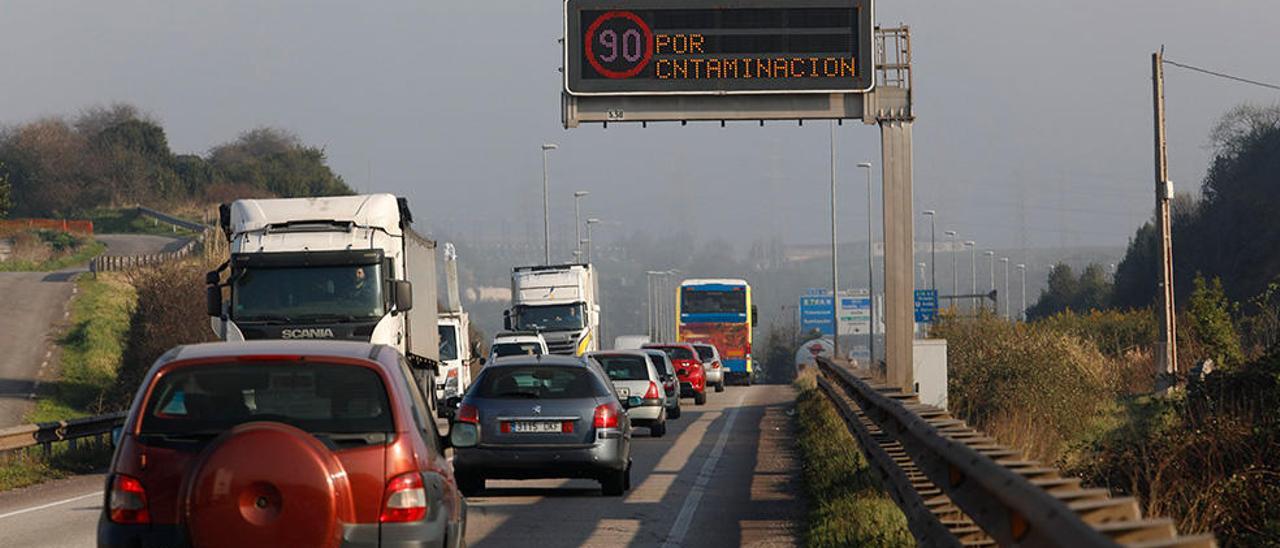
[(718, 47), (815, 313), (926, 305)]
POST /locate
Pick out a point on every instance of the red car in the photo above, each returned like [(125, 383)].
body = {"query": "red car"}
[(693, 379), (281, 443)]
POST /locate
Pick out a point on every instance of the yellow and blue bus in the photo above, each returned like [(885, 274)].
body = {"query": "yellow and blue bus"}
[(719, 312)]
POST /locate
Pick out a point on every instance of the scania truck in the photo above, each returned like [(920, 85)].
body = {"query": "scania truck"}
[(345, 267), (559, 301)]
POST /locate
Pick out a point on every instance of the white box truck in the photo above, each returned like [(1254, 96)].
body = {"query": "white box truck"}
[(561, 302), (344, 268), (455, 338)]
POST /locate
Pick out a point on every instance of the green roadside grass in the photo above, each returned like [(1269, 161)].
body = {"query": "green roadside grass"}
[(847, 504), (82, 256), (129, 221), (91, 350)]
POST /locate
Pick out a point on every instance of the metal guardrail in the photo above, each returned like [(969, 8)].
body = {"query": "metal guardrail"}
[(110, 263), (170, 219), (47, 433), (959, 487)]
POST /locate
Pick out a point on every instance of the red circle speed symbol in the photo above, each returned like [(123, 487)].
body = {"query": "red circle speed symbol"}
[(648, 45)]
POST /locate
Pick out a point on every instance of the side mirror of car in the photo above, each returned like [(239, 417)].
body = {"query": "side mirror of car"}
[(213, 301), (483, 361), (403, 294), (463, 435), (116, 433), (506, 320)]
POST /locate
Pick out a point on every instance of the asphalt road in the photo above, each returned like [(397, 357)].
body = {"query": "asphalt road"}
[(724, 475), (34, 304)]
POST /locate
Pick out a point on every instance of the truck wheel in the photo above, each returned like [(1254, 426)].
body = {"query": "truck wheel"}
[(700, 398)]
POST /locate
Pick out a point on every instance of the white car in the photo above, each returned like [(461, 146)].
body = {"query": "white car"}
[(636, 380), (711, 364), (517, 343), (630, 342)]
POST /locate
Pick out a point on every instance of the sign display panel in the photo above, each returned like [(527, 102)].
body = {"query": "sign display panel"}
[(661, 47), (926, 305)]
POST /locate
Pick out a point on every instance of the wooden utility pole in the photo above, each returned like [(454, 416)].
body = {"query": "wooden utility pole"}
[(1167, 348)]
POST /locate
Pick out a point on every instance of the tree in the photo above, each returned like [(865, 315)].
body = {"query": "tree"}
[(1090, 291), (6, 192), (1210, 326)]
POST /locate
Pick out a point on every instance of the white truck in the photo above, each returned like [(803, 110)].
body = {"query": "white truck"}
[(561, 302), (455, 339), (345, 268)]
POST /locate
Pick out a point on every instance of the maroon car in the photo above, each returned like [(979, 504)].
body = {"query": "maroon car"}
[(281, 443)]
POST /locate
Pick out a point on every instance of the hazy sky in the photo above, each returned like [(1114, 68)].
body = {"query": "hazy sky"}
[(1046, 104)]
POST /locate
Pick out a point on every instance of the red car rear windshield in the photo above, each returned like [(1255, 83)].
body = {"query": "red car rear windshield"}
[(316, 397), (678, 352)]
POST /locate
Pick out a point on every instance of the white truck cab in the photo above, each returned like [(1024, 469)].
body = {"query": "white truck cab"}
[(561, 302)]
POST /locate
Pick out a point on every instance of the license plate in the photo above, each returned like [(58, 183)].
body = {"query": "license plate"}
[(623, 392), (535, 427)]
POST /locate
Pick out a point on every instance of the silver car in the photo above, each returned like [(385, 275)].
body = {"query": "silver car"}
[(670, 383), (633, 374), (710, 357), (541, 417)]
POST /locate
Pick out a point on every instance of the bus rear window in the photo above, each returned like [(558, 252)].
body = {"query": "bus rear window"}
[(696, 301)]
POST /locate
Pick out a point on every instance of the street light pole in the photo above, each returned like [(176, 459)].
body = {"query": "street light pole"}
[(991, 267), (955, 276), (933, 248), (1022, 269), (923, 278), (835, 265), (1005, 260), (546, 202), (577, 222), (589, 241), (871, 279), (973, 267)]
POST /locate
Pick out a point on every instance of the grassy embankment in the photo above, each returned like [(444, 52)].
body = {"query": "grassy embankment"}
[(46, 250), (847, 504), (91, 351)]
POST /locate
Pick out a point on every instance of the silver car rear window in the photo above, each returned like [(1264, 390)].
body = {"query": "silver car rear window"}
[(624, 368)]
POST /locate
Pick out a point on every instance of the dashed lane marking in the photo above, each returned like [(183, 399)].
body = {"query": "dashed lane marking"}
[(680, 528)]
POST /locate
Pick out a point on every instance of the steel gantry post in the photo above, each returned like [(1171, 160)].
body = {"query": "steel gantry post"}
[(1022, 315), (973, 275), (899, 315), (835, 262), (577, 223), (1005, 260), (991, 267), (933, 248), (955, 276)]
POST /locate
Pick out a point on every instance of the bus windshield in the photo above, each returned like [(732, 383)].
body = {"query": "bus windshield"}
[(308, 293), (700, 301)]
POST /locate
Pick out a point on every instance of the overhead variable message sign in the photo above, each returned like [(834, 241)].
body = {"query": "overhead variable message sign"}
[(665, 47)]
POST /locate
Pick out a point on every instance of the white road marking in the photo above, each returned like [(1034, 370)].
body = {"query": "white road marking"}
[(49, 505), (680, 528)]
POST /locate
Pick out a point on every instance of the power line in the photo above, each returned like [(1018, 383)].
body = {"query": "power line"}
[(1222, 75)]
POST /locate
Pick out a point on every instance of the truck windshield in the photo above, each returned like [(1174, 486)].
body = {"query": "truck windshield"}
[(310, 293), (549, 317), (448, 342)]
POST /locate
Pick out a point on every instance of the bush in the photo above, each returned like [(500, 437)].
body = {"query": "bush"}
[(1001, 371), (847, 505), (170, 312)]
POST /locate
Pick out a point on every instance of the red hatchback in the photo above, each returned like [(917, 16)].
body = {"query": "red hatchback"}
[(693, 380), (281, 443)]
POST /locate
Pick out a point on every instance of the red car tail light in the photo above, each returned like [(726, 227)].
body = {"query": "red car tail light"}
[(128, 502), (606, 416), (406, 499), (652, 392), (468, 413)]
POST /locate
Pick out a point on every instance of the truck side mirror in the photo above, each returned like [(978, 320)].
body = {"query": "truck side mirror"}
[(211, 277), (506, 320), (403, 293), (213, 300)]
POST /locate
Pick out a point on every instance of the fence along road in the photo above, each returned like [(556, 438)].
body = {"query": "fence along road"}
[(959, 487)]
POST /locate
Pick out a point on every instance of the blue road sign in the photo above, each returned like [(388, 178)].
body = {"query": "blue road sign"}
[(816, 313), (926, 305)]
